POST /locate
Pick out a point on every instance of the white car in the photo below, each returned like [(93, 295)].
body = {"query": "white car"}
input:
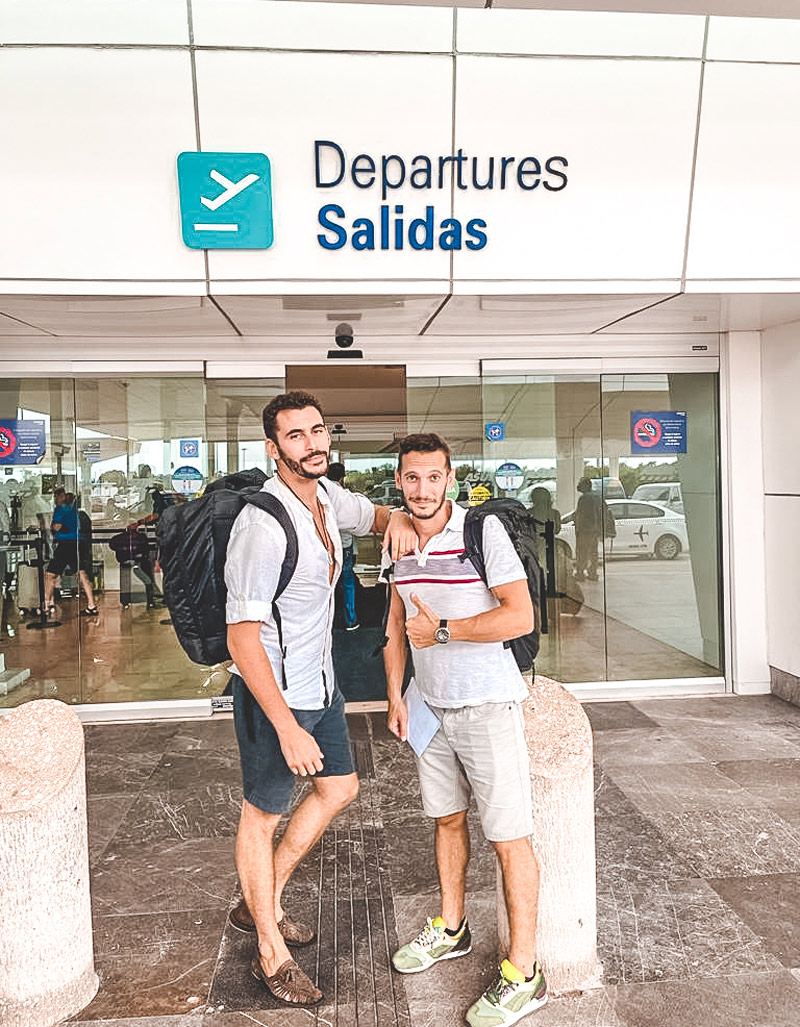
[(666, 492), (643, 529)]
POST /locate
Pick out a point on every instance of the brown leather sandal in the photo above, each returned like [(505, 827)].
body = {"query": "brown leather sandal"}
[(293, 933), (288, 984)]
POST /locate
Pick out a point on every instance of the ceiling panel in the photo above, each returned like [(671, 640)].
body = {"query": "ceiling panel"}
[(118, 316), (535, 315), (683, 313), (319, 315)]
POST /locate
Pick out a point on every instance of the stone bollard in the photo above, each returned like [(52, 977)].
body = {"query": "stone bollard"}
[(46, 959), (562, 779)]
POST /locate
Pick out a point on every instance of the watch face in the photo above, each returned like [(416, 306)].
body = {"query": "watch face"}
[(442, 635)]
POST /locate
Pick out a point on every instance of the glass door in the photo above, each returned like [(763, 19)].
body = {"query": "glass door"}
[(625, 468)]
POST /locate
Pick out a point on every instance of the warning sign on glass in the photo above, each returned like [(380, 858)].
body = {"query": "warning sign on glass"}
[(662, 431)]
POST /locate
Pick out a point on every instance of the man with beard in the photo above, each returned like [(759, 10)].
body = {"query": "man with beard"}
[(457, 625), (288, 712)]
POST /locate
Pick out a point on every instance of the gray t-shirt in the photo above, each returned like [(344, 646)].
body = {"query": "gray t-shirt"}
[(462, 673)]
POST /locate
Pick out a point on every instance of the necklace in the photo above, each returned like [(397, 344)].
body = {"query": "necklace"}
[(320, 527)]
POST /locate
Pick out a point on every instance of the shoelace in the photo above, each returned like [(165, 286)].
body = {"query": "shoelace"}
[(501, 987), (427, 936)]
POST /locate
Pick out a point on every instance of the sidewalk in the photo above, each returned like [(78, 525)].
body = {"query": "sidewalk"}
[(698, 841)]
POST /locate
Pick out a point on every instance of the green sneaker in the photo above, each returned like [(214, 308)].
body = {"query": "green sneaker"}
[(431, 945), (510, 998)]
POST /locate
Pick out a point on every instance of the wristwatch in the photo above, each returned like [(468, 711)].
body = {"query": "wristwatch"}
[(442, 633)]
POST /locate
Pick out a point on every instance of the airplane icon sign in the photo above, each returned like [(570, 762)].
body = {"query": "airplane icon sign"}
[(246, 181), (231, 189)]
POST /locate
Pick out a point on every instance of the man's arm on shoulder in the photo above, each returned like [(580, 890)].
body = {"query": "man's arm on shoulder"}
[(300, 750), (355, 513), (394, 662)]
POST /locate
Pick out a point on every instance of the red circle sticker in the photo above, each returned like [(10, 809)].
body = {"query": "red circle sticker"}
[(8, 442), (647, 431)]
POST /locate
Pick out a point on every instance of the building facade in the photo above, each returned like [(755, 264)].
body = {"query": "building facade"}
[(565, 240)]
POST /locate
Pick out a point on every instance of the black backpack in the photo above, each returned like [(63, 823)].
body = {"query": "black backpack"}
[(522, 528), (193, 541)]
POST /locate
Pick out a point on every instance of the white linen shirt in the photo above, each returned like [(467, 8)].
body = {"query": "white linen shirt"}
[(256, 548), (460, 674)]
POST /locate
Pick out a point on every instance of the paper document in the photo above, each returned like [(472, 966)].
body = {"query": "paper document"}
[(422, 721)]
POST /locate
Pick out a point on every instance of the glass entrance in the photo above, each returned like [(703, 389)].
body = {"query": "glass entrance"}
[(625, 468)]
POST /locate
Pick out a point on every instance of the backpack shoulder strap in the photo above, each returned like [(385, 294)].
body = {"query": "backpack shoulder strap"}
[(473, 540), (272, 505)]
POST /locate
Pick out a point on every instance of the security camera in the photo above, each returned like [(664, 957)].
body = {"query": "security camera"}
[(343, 334), (343, 337)]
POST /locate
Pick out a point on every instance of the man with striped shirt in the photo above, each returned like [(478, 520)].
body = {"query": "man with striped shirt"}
[(456, 626)]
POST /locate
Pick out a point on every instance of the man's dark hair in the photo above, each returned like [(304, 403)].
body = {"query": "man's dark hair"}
[(296, 400), (336, 471), (423, 442)]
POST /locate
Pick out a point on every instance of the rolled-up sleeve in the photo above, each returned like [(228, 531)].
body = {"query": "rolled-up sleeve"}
[(502, 563), (255, 554), (354, 512)]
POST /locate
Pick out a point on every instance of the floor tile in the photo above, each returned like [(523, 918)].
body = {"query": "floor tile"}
[(733, 841), (673, 930), (678, 787), (211, 809), (615, 716), (770, 906), (105, 813), (649, 745), (121, 771), (629, 846), (182, 875), (743, 1000), (591, 1009), (190, 1020), (775, 782), (154, 964)]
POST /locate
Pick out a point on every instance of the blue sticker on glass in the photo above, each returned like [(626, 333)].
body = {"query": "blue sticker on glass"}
[(226, 200), (496, 431), (659, 431), (22, 442)]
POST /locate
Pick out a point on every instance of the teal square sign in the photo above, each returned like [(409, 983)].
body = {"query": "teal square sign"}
[(226, 200)]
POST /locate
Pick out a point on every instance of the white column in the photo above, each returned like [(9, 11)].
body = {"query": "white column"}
[(743, 474), (559, 742), (46, 957)]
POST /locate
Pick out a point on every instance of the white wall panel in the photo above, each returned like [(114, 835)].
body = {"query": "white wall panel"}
[(580, 33), (627, 129), (753, 39), (94, 21), (321, 26), (744, 470), (746, 208), (783, 581), (89, 146), (280, 103), (781, 376)]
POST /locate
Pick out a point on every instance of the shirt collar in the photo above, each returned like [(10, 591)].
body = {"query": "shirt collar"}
[(277, 484)]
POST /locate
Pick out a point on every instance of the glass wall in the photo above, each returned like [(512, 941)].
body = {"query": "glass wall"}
[(626, 469), (624, 466)]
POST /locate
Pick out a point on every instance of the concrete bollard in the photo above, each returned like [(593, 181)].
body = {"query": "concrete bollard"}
[(559, 741), (46, 958)]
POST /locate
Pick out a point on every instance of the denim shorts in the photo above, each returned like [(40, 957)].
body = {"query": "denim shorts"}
[(480, 750), (266, 779)]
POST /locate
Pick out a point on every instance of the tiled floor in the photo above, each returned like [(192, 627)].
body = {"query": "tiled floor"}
[(698, 843)]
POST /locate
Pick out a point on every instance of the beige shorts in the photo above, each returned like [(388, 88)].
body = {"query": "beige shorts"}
[(480, 750)]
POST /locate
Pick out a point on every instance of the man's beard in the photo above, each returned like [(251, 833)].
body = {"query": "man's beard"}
[(296, 466), (427, 516)]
